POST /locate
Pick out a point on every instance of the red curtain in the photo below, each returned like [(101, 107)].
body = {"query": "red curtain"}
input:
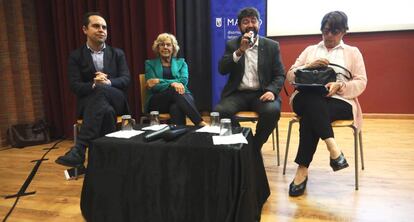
[(132, 26)]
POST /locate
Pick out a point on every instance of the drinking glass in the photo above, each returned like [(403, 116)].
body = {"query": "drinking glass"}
[(225, 127), (154, 118), (214, 119), (127, 122)]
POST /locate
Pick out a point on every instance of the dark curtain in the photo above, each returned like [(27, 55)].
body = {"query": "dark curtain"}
[(193, 34), (132, 26)]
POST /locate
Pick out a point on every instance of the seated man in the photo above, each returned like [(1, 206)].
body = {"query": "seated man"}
[(256, 76), (99, 76)]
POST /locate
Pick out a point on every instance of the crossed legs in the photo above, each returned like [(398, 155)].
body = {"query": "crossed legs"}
[(317, 113), (178, 105), (99, 118)]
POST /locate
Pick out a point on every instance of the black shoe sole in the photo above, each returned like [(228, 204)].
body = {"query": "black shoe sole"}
[(340, 168), (296, 194)]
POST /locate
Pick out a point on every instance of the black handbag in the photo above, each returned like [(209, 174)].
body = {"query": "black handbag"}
[(314, 80), (29, 134), (319, 76)]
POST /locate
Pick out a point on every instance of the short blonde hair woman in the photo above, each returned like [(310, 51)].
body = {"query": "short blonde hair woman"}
[(167, 78), (161, 39)]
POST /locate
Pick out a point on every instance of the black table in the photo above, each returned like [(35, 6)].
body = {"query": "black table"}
[(188, 179)]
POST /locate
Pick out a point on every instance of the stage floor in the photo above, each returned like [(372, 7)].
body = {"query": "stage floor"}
[(386, 186)]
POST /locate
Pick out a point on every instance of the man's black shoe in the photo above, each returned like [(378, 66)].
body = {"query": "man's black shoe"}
[(73, 158)]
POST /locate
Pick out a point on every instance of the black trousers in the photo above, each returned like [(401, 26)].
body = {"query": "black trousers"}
[(177, 105), (317, 112), (269, 112), (99, 113)]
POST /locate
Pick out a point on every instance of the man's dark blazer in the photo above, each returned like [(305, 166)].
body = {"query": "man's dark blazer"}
[(270, 67), (81, 71)]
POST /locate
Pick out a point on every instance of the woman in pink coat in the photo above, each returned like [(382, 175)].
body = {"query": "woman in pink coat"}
[(317, 111)]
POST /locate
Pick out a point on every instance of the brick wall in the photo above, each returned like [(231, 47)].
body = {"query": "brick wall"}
[(20, 77)]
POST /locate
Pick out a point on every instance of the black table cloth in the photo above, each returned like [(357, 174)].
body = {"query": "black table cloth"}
[(188, 179)]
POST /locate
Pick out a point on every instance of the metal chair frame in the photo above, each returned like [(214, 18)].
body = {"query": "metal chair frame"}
[(250, 116), (338, 123)]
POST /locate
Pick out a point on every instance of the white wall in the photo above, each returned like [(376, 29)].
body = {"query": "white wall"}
[(303, 17)]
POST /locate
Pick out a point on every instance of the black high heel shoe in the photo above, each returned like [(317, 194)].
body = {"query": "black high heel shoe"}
[(339, 163), (297, 190)]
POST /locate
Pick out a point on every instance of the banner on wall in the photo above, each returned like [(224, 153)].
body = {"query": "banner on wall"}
[(224, 27)]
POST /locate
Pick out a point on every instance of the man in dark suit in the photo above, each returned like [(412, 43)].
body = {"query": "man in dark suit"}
[(256, 76), (99, 76)]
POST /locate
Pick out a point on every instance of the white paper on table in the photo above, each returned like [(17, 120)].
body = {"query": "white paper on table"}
[(124, 133), (155, 127), (231, 139), (209, 129)]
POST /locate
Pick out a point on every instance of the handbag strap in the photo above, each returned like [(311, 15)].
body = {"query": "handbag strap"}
[(286, 92), (284, 85), (333, 64)]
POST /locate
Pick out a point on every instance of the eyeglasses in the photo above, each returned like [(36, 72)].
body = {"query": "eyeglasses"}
[(333, 32), (166, 45)]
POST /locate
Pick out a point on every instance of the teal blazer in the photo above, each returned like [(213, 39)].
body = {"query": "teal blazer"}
[(153, 69)]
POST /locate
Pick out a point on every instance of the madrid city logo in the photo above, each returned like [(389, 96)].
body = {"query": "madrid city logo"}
[(219, 22), (229, 22)]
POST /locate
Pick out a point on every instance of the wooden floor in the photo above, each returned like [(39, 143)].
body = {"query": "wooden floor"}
[(386, 191)]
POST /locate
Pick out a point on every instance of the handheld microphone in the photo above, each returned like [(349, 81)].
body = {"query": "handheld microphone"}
[(251, 39)]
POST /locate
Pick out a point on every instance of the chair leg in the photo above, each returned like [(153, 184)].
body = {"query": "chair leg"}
[(361, 150), (75, 132), (277, 144), (273, 139), (356, 157), (287, 145)]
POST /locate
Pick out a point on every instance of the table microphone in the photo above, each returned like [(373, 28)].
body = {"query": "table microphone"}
[(156, 135), (175, 132)]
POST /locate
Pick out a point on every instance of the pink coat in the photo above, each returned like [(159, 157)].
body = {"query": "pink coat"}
[(352, 88)]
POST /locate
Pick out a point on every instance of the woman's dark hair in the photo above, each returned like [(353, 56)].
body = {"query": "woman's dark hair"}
[(86, 16), (248, 12), (336, 20)]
